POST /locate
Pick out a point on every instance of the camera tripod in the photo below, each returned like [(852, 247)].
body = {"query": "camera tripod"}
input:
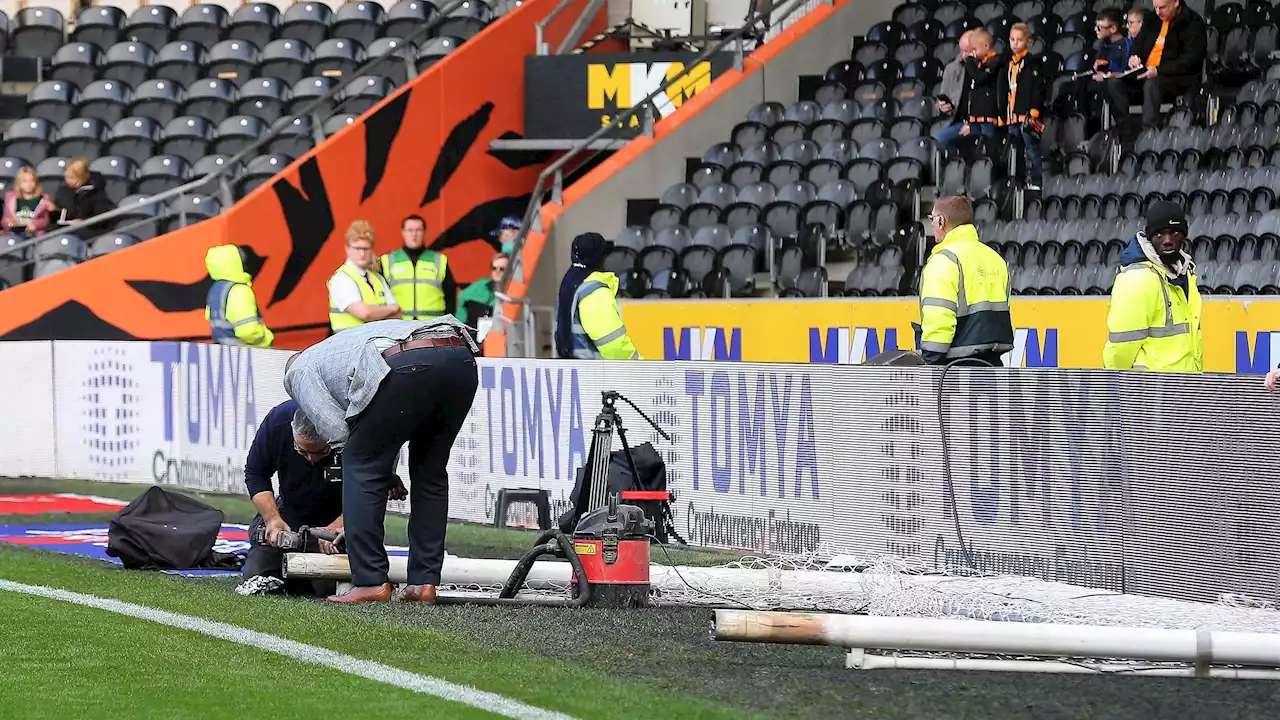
[(595, 492)]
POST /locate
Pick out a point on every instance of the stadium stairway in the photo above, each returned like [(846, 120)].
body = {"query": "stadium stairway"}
[(646, 166), (422, 149)]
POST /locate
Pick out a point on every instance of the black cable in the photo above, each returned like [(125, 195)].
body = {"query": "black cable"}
[(946, 455)]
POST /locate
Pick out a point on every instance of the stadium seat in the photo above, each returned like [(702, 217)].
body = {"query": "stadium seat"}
[(100, 25), (285, 59), (133, 137), (203, 24), (358, 21), (152, 25), (37, 32), (254, 22), (180, 61)]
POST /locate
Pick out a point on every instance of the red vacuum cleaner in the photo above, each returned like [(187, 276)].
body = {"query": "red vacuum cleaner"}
[(609, 547)]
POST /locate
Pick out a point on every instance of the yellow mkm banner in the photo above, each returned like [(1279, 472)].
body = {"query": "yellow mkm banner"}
[(1240, 335)]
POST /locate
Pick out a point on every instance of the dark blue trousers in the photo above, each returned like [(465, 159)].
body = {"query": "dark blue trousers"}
[(423, 401)]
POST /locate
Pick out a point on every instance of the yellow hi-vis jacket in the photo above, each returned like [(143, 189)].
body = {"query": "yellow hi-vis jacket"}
[(1152, 323), (964, 298), (598, 330), (231, 308), (372, 292), (417, 287)]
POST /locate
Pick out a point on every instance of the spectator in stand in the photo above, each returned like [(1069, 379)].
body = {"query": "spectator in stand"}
[(1111, 51), (1171, 50), (26, 207), (982, 105), (82, 195), (953, 76), (1024, 89), (1133, 27), (507, 232)]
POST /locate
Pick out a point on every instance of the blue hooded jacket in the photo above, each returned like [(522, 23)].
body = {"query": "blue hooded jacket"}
[(1133, 254)]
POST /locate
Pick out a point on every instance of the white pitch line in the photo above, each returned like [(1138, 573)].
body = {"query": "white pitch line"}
[(464, 694)]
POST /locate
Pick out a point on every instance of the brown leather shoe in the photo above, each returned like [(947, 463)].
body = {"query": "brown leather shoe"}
[(417, 594), (372, 593)]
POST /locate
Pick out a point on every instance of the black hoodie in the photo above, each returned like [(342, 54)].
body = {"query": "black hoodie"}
[(84, 202)]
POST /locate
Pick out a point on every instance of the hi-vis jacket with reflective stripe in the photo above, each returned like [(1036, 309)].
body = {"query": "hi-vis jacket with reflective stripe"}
[(231, 308), (417, 287), (372, 292), (964, 300), (1153, 321), (598, 330)]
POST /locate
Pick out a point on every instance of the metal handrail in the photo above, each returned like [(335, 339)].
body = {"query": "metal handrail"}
[(539, 44), (555, 171), (422, 33)]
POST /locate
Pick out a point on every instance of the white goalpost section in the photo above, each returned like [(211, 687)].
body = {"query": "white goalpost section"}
[(935, 621)]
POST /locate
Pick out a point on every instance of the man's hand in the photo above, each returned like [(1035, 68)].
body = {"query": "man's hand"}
[(398, 490), (1272, 382), (274, 527), (964, 130), (1134, 61), (944, 107), (1148, 74), (330, 547), (1099, 77)]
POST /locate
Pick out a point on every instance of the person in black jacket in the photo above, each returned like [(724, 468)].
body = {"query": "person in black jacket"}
[(1171, 49), (982, 104), (1023, 87), (83, 195)]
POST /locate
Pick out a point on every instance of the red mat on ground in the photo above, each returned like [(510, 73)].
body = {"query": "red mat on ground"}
[(59, 503)]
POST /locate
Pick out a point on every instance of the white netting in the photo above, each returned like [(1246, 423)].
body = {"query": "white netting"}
[(893, 587)]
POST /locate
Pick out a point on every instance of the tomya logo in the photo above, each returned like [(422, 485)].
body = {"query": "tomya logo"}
[(109, 413)]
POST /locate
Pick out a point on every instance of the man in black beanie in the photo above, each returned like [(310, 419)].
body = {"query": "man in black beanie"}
[(588, 322), (1153, 321)]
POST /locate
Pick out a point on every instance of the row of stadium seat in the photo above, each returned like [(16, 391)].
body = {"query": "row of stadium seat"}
[(39, 32), (122, 176), (53, 103), (184, 61)]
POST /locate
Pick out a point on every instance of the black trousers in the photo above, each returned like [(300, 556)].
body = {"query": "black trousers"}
[(1154, 91), (268, 560), (423, 401)]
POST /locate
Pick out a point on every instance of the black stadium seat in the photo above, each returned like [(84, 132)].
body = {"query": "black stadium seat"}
[(160, 100), (100, 25), (361, 21), (306, 21), (202, 23), (152, 25), (37, 32), (285, 59), (133, 137), (254, 22), (180, 61)]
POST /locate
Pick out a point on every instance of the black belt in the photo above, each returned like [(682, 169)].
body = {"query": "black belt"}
[(448, 341)]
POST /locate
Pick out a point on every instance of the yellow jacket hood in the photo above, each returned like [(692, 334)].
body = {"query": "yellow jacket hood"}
[(224, 263)]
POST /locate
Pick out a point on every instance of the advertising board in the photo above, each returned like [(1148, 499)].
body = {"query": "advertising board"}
[(1240, 336)]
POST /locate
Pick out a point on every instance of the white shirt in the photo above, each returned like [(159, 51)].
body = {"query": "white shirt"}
[(343, 290)]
